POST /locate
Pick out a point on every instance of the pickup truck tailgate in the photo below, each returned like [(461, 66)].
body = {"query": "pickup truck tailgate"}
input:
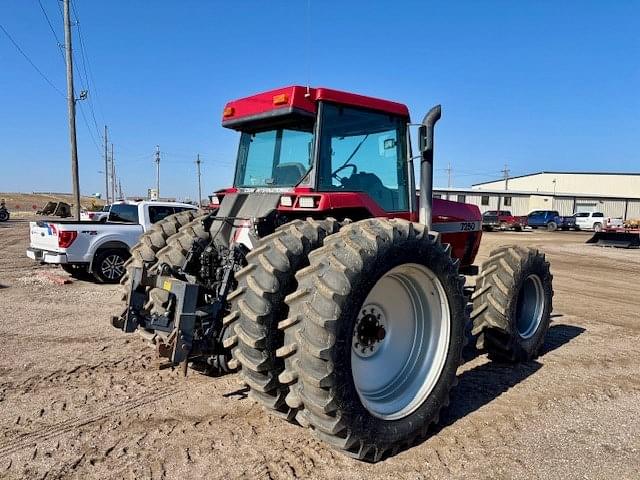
[(44, 236)]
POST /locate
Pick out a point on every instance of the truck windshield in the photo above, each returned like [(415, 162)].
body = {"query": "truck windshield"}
[(273, 158)]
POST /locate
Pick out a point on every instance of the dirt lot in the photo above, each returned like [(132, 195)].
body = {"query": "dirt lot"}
[(81, 400)]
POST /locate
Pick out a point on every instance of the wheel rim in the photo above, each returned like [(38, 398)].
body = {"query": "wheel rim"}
[(530, 306), (112, 266), (401, 340)]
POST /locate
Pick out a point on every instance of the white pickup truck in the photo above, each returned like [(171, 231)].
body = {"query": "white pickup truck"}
[(97, 248), (596, 221), (96, 216)]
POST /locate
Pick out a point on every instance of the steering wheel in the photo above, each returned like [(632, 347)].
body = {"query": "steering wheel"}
[(346, 165)]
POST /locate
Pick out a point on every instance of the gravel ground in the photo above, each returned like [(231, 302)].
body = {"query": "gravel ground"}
[(79, 399)]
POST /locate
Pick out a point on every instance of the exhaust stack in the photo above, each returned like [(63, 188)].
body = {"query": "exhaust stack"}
[(426, 164)]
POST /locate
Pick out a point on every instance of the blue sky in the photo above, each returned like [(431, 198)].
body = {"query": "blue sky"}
[(537, 85)]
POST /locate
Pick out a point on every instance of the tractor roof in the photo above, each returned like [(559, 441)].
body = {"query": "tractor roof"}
[(301, 100)]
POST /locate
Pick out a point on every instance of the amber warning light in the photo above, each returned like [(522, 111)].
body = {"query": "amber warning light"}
[(281, 99), (228, 112)]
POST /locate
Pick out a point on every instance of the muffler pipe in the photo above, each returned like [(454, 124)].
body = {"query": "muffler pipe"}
[(426, 164)]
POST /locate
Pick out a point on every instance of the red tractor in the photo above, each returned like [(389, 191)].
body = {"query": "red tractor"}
[(335, 291)]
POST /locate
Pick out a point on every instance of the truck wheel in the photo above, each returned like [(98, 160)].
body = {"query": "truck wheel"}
[(257, 306), (597, 227), (552, 226), (374, 336), (4, 215), (512, 303), (144, 252), (108, 265)]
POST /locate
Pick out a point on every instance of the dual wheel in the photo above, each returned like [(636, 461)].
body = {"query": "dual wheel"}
[(357, 332), (365, 346)]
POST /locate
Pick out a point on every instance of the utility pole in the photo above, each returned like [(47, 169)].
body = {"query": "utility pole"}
[(505, 172), (113, 176), (158, 171), (106, 165), (449, 175), (71, 104), (199, 185), (120, 190), (506, 176)]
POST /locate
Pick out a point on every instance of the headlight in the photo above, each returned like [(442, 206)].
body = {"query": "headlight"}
[(307, 202)]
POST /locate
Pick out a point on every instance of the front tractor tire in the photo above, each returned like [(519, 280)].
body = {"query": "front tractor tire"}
[(257, 306), (374, 336), (512, 304)]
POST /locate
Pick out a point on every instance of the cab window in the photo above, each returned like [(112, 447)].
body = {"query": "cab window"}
[(363, 151), (123, 213), (159, 212)]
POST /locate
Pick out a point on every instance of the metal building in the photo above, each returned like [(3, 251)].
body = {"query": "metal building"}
[(624, 185), (623, 201)]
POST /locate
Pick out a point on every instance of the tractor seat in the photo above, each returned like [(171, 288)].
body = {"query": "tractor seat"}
[(288, 173), (371, 184)]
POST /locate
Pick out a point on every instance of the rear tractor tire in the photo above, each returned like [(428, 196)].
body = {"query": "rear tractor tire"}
[(374, 336), (512, 304), (258, 306)]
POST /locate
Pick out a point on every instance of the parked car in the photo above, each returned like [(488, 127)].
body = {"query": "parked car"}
[(98, 248), (503, 220), (98, 216), (596, 221), (551, 220)]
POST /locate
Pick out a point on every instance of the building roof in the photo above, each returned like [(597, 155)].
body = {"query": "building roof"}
[(553, 172)]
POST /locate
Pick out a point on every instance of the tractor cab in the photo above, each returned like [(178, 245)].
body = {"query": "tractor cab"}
[(349, 150)]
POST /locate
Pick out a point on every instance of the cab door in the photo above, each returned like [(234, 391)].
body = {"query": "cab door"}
[(364, 151)]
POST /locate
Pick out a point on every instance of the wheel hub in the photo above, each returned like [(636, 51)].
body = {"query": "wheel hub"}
[(369, 331), (400, 341), (113, 267), (530, 306)]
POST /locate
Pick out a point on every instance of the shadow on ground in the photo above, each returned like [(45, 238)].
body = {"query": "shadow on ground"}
[(480, 385)]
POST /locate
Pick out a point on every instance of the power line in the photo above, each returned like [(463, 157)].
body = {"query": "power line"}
[(86, 66), (55, 35), (46, 79), (86, 122)]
